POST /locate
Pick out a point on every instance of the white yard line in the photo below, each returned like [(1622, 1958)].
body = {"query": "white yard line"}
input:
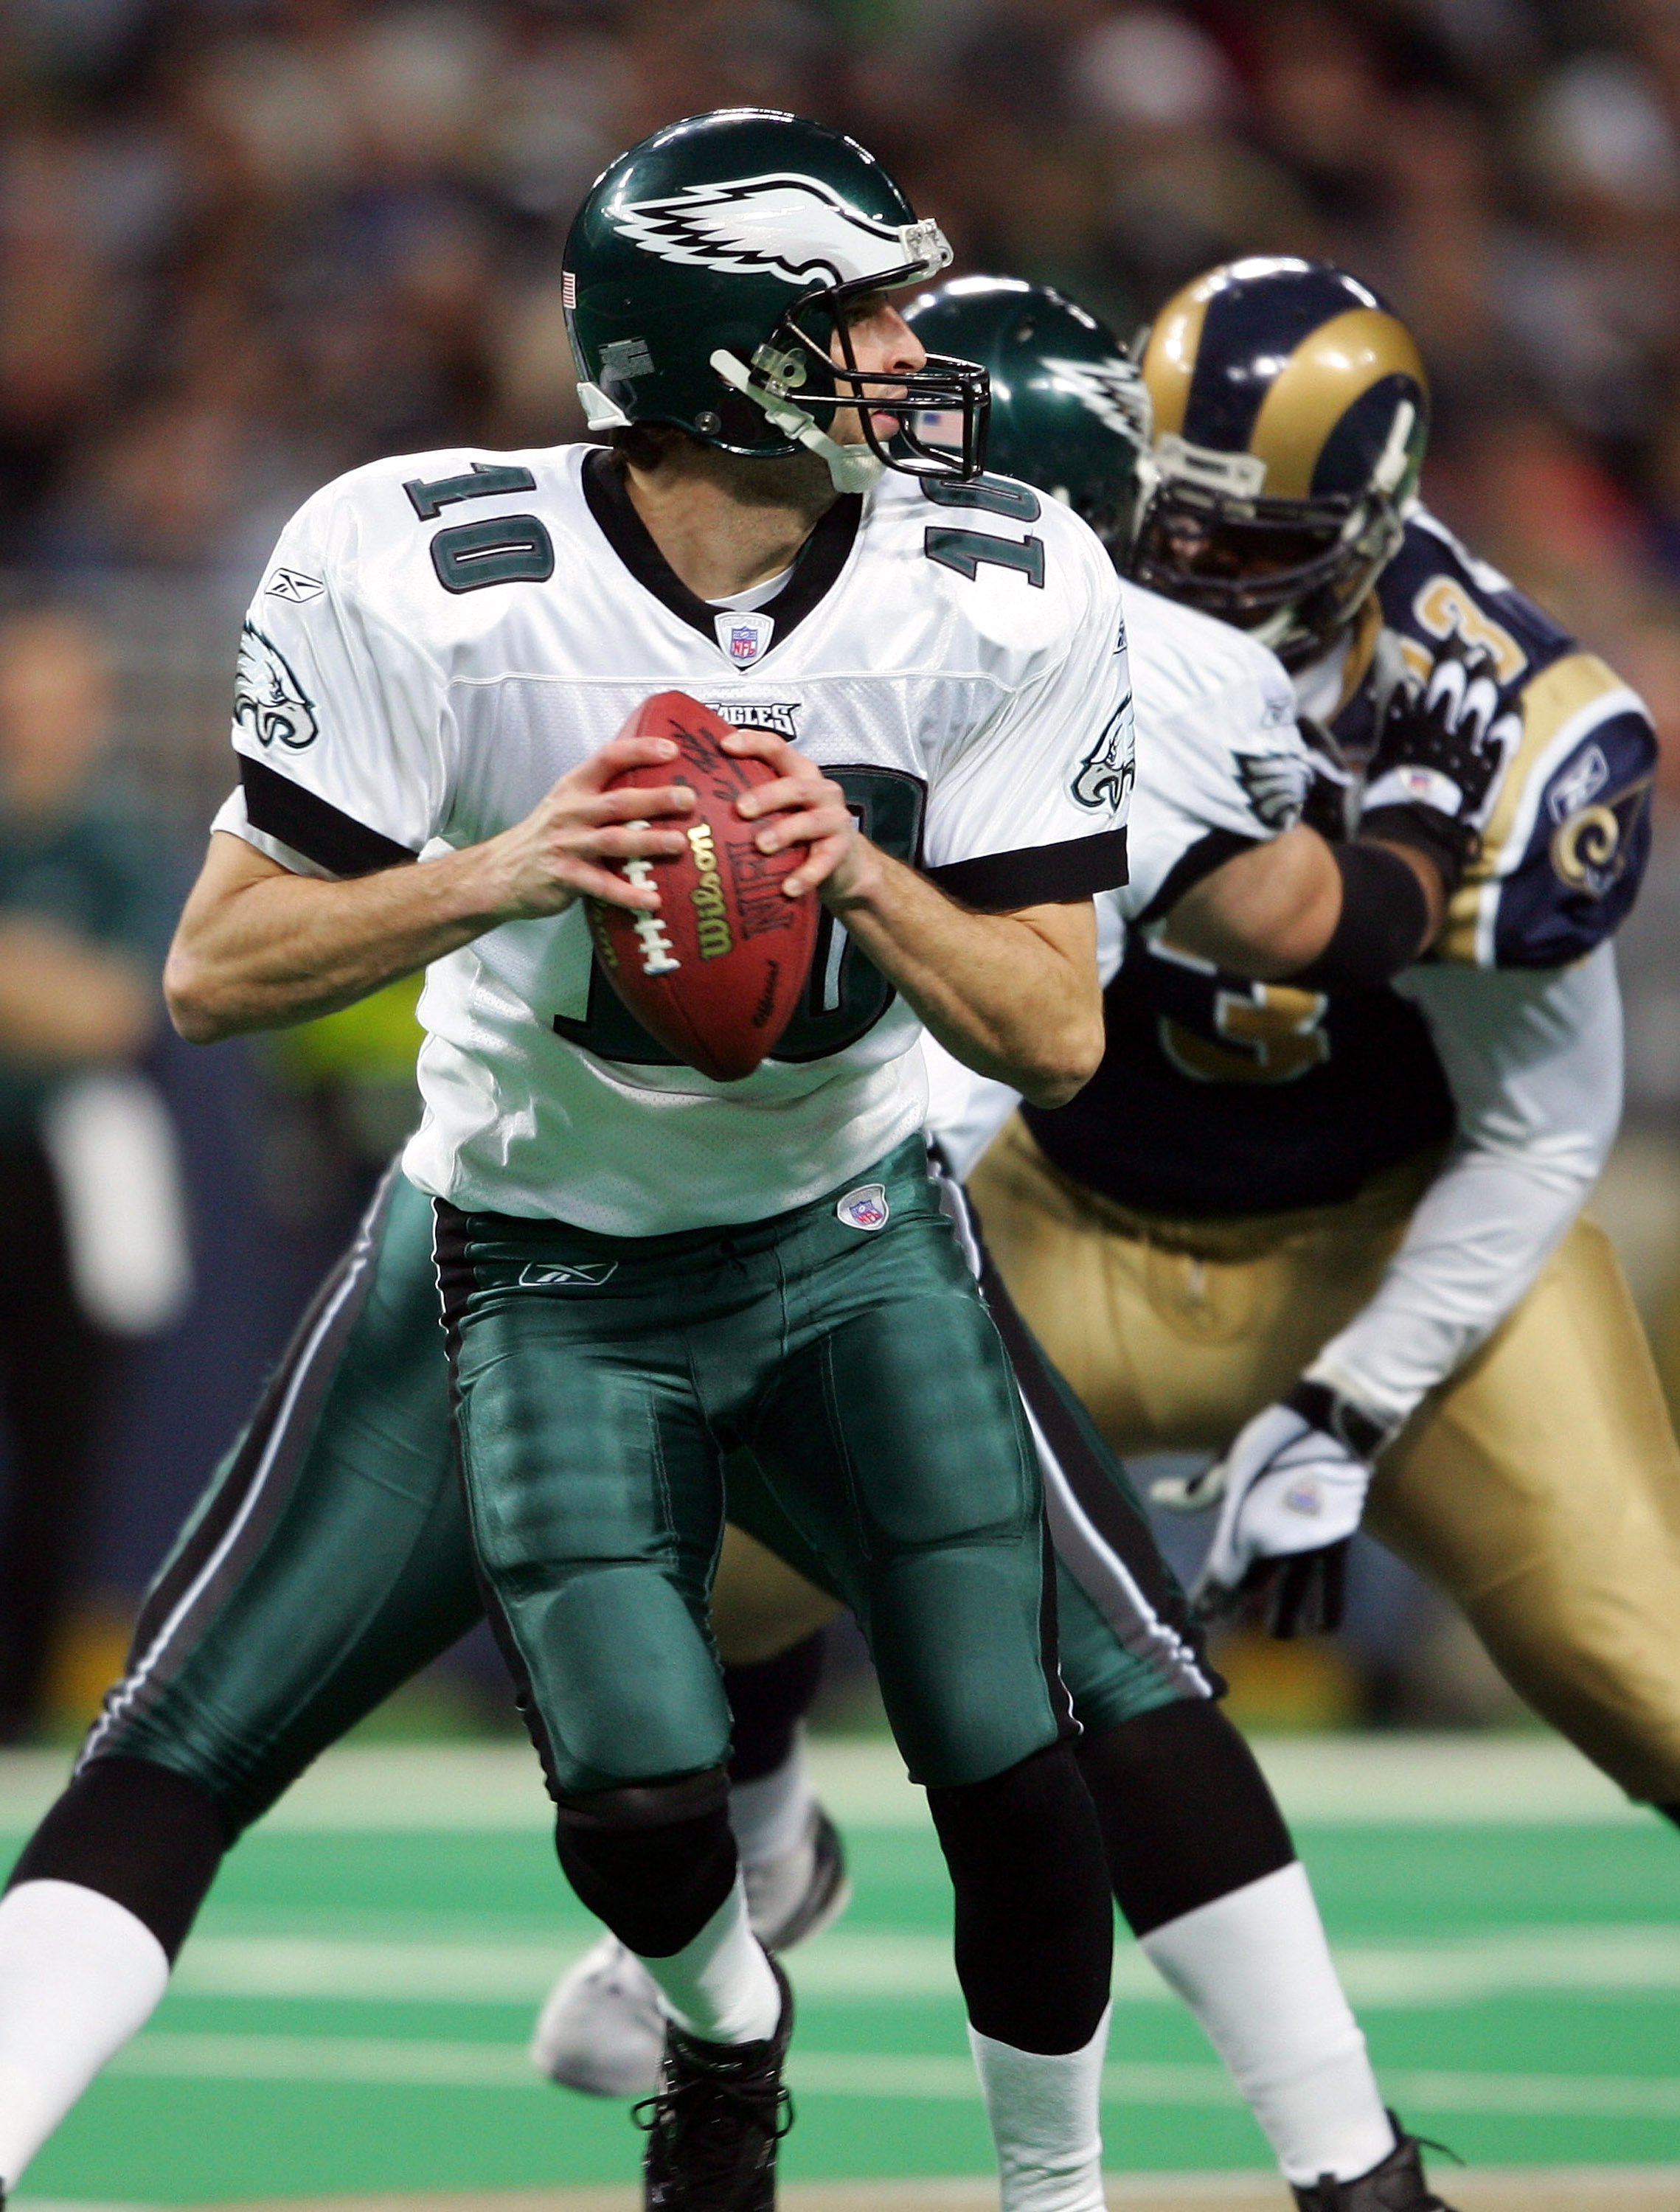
[(1363, 1781), (395, 2062), (1605, 1962)]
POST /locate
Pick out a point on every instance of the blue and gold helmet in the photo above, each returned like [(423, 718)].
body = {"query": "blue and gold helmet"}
[(1291, 410), (709, 272), (1069, 411)]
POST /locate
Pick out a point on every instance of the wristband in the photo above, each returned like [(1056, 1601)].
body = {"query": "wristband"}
[(1444, 839), (1381, 928), (1339, 1417)]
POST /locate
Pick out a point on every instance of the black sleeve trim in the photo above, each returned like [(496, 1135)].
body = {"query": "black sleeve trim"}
[(1209, 852), (1036, 875), (1381, 928), (313, 826)]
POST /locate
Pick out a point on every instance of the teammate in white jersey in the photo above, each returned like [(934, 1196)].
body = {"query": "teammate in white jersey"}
[(641, 1268)]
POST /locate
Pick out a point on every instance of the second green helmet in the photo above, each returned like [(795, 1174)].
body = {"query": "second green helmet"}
[(1069, 412)]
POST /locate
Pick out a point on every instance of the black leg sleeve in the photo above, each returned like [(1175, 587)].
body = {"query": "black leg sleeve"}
[(653, 1861), (767, 1701), (1186, 1814), (1035, 1929), (142, 1835)]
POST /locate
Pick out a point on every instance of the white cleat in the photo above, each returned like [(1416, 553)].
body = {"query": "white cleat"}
[(603, 2029)]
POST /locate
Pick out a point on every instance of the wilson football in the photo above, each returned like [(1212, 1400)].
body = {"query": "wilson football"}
[(716, 972)]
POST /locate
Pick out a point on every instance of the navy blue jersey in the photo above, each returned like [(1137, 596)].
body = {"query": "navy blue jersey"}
[(1219, 1097)]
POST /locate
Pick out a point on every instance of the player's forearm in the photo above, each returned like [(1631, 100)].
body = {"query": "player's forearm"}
[(1476, 1246), (998, 994), (1533, 1057), (283, 949)]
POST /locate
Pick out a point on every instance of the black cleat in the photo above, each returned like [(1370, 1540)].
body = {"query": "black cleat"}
[(716, 2120), (1398, 2184)]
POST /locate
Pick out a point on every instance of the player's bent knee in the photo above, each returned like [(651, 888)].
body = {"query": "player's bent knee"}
[(1026, 1865), (1186, 1814), (653, 1861), (145, 1836)]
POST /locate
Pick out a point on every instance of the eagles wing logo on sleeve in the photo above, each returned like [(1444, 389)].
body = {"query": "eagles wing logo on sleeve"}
[(1114, 391), (1108, 771), (268, 699), (788, 226), (1276, 785)]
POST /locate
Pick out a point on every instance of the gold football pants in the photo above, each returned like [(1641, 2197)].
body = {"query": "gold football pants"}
[(1539, 1487)]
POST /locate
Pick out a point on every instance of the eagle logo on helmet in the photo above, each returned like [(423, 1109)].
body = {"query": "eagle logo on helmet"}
[(1114, 391), (788, 226)]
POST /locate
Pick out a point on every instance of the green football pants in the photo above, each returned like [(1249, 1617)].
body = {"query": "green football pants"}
[(599, 1382), (329, 1560)]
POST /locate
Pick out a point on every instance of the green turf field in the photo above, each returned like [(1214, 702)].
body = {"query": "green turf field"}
[(352, 2012)]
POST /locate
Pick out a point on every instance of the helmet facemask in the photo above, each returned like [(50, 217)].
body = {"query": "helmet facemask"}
[(785, 375), (1292, 573)]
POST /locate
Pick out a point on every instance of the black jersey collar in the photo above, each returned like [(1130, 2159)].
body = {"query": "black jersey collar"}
[(818, 563)]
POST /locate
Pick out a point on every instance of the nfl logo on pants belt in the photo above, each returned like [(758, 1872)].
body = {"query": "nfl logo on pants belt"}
[(865, 1207)]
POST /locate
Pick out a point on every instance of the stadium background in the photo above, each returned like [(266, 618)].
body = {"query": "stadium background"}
[(247, 244)]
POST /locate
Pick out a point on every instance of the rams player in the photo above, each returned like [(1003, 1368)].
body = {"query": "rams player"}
[(1336, 1237), (331, 1560)]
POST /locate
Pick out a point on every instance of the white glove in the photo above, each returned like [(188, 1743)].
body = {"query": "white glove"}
[(1293, 1488)]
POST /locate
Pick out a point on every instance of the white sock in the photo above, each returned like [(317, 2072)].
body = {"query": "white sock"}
[(770, 1815), (1043, 2114), (79, 1975), (720, 1987), (1255, 1969)]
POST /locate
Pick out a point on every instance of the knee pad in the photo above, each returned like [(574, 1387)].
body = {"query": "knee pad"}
[(142, 1835), (1186, 1814), (655, 1861), (1034, 1934), (767, 1701)]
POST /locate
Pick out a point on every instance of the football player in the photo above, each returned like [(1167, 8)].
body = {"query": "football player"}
[(1335, 1237), (330, 1560), (640, 1269)]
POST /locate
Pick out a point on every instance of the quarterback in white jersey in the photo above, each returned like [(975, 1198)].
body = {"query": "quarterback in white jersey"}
[(641, 1269), (977, 720)]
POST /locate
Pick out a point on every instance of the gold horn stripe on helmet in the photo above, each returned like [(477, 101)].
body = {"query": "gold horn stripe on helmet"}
[(1330, 369), (1169, 359)]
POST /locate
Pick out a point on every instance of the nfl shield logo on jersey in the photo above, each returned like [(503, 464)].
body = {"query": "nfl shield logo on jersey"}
[(744, 637), (865, 1207)]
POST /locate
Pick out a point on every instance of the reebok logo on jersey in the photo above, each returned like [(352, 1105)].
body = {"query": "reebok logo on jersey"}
[(268, 699), (782, 225), (779, 716), (866, 1208), (1304, 1495), (1578, 785), (292, 584), (581, 1275), (1106, 773)]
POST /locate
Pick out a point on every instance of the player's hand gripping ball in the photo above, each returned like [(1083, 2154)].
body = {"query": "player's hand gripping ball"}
[(715, 973)]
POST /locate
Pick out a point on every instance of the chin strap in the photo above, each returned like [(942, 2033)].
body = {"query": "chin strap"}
[(850, 468)]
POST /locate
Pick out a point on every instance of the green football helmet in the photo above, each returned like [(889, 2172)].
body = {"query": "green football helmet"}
[(708, 270), (1069, 412)]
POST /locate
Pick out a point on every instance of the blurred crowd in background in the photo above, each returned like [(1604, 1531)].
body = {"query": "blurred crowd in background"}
[(247, 244)]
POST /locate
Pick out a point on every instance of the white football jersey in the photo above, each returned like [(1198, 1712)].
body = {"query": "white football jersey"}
[(1221, 766), (440, 637)]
